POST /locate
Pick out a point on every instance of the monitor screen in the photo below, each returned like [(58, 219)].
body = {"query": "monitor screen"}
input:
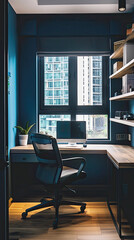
[(73, 130)]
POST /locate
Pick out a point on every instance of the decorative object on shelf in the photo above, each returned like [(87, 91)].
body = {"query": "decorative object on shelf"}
[(128, 83), (129, 29), (124, 115), (116, 94), (131, 89), (121, 5), (120, 114), (122, 91), (117, 66), (23, 136), (128, 52), (128, 116), (9, 76), (118, 44)]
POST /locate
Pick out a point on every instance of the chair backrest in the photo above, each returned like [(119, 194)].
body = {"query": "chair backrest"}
[(49, 157)]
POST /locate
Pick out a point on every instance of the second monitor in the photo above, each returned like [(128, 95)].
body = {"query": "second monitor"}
[(71, 131)]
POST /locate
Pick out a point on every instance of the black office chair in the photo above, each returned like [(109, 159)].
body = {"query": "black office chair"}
[(53, 173)]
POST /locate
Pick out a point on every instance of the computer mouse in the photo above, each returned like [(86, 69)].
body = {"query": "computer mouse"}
[(84, 145)]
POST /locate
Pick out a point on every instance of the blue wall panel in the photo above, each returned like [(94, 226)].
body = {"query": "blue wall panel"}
[(12, 72), (28, 27), (72, 26), (27, 81)]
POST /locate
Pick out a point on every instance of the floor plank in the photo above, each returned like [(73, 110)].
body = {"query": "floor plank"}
[(95, 224)]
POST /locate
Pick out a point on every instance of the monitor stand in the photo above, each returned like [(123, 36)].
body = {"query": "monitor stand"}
[(72, 144)]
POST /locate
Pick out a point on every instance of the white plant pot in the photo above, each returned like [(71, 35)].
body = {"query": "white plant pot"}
[(23, 139)]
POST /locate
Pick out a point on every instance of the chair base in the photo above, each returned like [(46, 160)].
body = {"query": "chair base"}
[(56, 202)]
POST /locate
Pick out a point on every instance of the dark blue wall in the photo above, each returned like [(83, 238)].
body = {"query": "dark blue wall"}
[(39, 33), (13, 76)]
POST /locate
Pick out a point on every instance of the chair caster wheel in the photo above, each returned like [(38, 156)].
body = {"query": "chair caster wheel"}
[(55, 224), (24, 215), (82, 208)]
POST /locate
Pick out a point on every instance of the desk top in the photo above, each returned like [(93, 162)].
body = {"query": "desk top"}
[(121, 155)]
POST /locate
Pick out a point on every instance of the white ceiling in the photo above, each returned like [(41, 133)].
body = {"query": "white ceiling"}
[(67, 6)]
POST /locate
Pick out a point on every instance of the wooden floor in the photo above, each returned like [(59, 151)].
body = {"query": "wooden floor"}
[(95, 224)]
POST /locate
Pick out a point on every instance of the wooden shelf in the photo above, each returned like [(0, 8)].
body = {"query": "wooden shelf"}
[(125, 122), (126, 96), (126, 69), (119, 52)]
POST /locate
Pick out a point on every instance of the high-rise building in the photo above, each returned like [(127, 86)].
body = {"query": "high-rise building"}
[(56, 80), (89, 80)]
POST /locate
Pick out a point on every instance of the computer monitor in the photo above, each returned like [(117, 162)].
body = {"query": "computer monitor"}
[(71, 131)]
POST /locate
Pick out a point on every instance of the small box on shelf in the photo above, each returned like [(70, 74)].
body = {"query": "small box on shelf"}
[(117, 44), (120, 114), (128, 83), (117, 66), (128, 52), (129, 29)]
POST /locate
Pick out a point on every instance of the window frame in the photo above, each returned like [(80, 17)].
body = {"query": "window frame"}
[(72, 108)]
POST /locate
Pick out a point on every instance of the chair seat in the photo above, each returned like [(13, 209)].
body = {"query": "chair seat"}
[(69, 175)]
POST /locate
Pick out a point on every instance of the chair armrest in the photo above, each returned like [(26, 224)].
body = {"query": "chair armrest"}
[(76, 162)]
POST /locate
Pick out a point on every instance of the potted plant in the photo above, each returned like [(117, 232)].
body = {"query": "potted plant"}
[(23, 136)]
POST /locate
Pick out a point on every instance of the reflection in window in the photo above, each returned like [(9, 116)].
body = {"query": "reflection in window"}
[(96, 125), (56, 77), (48, 123), (89, 71)]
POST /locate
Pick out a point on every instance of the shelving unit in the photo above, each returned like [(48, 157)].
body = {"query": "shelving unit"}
[(125, 122), (126, 96), (119, 52), (126, 69)]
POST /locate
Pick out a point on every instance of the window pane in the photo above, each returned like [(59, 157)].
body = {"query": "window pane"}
[(89, 80), (48, 123), (56, 90), (96, 125)]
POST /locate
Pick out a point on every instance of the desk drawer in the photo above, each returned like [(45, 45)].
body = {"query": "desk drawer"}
[(23, 157)]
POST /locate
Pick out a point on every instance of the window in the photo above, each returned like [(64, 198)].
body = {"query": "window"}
[(47, 123), (96, 125), (89, 83), (74, 88), (57, 73)]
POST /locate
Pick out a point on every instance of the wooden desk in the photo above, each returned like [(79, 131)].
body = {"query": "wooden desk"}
[(122, 156)]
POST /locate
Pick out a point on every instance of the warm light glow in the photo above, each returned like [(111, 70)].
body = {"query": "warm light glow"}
[(122, 9)]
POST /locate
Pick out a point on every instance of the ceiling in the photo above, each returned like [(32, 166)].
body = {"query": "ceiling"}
[(67, 6)]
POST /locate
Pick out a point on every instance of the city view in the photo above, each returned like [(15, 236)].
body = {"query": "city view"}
[(89, 92)]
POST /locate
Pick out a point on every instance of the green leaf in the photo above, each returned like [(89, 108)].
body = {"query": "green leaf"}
[(27, 125), (21, 129), (30, 128)]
